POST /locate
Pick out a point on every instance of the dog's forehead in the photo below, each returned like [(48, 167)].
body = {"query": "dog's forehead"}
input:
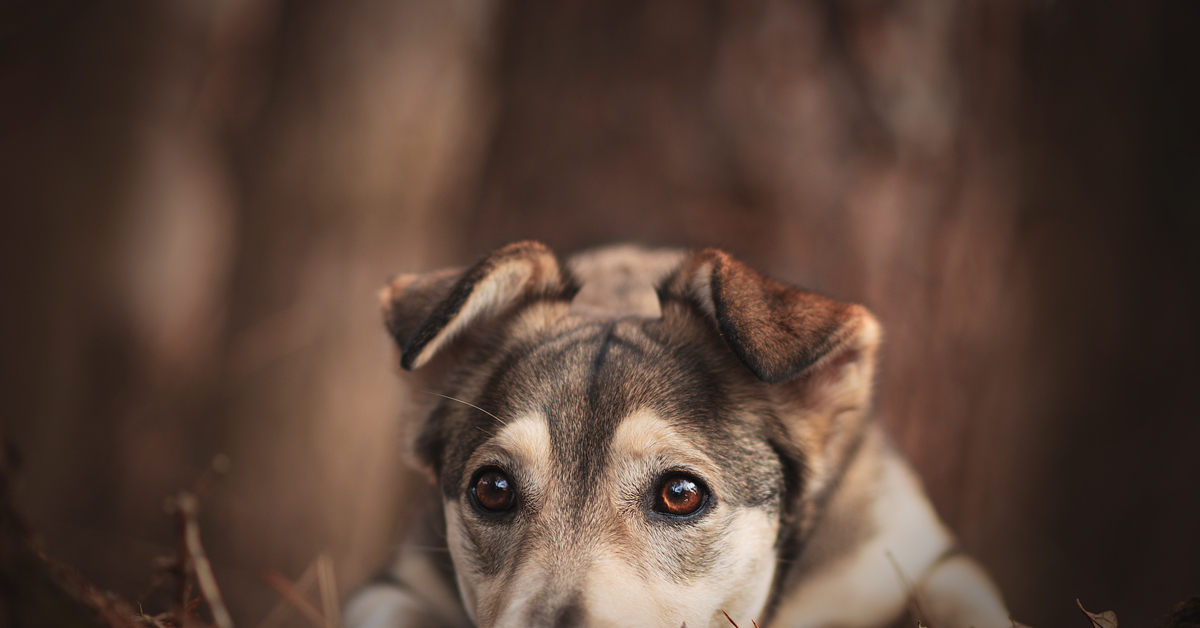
[(586, 371), (583, 379)]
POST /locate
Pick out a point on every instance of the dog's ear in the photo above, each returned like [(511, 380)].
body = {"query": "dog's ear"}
[(779, 332), (424, 313)]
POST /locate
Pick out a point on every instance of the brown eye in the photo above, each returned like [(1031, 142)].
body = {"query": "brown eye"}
[(680, 495), (492, 491)]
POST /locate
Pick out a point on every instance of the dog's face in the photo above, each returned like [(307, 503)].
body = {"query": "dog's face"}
[(636, 468)]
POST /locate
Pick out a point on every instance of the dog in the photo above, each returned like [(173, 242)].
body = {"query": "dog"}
[(654, 438)]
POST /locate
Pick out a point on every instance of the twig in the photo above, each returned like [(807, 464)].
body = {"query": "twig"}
[(194, 560), (731, 621), (115, 612), (914, 599), (275, 617), (327, 586), (161, 620), (291, 594)]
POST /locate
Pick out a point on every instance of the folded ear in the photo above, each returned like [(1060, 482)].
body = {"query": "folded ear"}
[(425, 312), (779, 332)]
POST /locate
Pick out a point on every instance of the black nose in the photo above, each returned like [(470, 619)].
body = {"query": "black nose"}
[(569, 616)]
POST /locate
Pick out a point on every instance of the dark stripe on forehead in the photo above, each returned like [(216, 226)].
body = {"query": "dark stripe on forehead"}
[(583, 415), (609, 333), (598, 361)]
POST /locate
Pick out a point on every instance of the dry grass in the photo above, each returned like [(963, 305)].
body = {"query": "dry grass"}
[(37, 590)]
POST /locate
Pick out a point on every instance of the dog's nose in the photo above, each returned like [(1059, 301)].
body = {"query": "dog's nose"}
[(546, 611), (570, 616)]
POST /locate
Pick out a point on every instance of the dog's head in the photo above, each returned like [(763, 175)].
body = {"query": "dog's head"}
[(644, 468)]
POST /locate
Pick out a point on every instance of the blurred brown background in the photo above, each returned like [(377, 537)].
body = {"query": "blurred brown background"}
[(201, 197)]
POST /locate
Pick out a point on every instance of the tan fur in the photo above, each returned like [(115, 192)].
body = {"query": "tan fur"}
[(620, 280)]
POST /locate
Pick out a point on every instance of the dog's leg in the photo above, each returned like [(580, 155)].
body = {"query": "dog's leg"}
[(956, 591), (417, 589), (878, 538), (387, 605)]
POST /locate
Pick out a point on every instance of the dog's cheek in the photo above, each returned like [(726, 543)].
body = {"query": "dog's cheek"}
[(752, 549), (465, 569), (488, 579)]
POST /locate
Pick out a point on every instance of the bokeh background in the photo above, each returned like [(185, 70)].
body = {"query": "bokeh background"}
[(200, 199)]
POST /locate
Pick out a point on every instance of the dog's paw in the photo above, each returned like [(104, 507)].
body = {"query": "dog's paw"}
[(389, 606)]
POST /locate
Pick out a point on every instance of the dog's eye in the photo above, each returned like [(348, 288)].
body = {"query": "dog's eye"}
[(492, 491), (681, 495)]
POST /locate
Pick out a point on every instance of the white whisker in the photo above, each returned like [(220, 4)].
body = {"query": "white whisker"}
[(465, 403)]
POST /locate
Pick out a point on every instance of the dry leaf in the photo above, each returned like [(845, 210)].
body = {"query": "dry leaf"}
[(1107, 619)]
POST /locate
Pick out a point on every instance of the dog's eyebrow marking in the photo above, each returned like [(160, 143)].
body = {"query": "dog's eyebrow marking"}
[(527, 439), (644, 434)]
